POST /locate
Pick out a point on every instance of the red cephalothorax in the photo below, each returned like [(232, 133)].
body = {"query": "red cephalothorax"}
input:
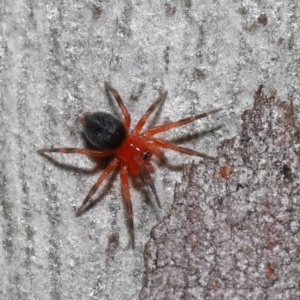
[(132, 151)]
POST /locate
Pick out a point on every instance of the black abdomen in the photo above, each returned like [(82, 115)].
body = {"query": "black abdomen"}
[(103, 130)]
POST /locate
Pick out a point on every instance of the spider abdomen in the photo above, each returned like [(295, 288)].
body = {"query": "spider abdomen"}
[(103, 130)]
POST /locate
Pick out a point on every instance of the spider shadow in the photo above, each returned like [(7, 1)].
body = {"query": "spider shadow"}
[(196, 135), (68, 167), (144, 190)]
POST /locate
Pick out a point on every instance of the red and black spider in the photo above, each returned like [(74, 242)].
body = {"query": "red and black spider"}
[(132, 151)]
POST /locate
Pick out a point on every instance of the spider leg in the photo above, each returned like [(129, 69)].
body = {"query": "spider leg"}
[(144, 118), (146, 177), (167, 145), (120, 103), (79, 151), (113, 164), (165, 127), (126, 194), (150, 168)]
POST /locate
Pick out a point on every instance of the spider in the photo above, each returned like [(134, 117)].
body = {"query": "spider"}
[(131, 150)]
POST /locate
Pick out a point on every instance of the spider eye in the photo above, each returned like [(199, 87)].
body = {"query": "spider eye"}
[(146, 155)]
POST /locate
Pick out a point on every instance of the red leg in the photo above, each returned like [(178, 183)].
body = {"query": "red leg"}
[(146, 177), (79, 151), (165, 127), (121, 104), (144, 118), (150, 168), (168, 145), (126, 194), (113, 164)]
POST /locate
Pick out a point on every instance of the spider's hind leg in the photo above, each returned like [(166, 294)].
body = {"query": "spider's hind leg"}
[(126, 194)]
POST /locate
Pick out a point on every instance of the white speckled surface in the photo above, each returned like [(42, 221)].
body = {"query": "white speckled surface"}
[(54, 59)]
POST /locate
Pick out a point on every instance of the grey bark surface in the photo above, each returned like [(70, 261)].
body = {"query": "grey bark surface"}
[(54, 59), (235, 234)]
